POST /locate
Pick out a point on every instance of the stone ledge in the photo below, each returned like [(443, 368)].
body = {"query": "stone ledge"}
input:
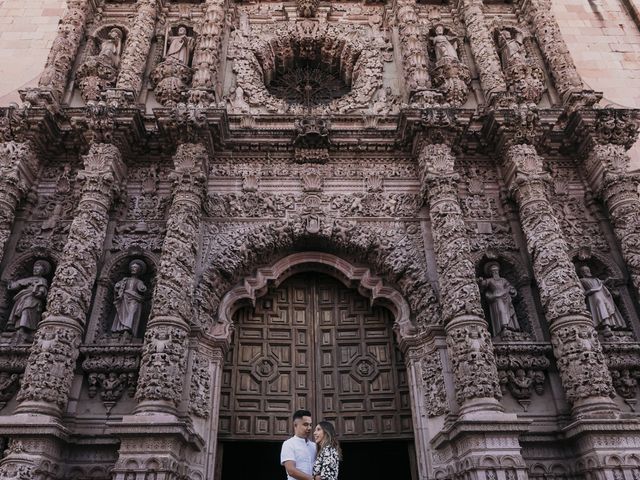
[(27, 424), (156, 425)]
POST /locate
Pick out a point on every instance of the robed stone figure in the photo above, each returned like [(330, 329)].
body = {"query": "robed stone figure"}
[(603, 309), (129, 295), (30, 299), (499, 293)]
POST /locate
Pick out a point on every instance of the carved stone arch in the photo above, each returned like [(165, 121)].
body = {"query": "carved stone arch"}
[(115, 268), (341, 50), (613, 460), (489, 461), (366, 283), (511, 259), (393, 257), (581, 257)]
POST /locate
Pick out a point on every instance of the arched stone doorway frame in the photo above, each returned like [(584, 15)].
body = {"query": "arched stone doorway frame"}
[(252, 287)]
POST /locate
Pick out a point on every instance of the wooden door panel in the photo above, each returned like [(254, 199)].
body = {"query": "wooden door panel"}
[(313, 343)]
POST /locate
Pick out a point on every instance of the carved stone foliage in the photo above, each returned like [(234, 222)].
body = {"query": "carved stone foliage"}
[(163, 365), (49, 371), (64, 48), (13, 361), (580, 361), (522, 368), (414, 54), (450, 75), (261, 204), (99, 70), (111, 371), (200, 390), (433, 384), (392, 248), (340, 48), (579, 228), (525, 78), (473, 363)]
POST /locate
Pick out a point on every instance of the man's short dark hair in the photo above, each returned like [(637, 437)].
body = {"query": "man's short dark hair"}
[(301, 413)]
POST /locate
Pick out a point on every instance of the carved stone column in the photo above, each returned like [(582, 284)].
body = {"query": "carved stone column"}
[(413, 48), (50, 367), (65, 48), (553, 47), (471, 354), (578, 352), (18, 168), (206, 58), (155, 430), (468, 338), (134, 59), (483, 47), (164, 355), (607, 169)]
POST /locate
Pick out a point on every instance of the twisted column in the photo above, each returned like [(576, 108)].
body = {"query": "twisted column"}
[(164, 356), (65, 48), (206, 58), (483, 47), (607, 168), (554, 49), (49, 372), (413, 48), (468, 338), (578, 352), (134, 59), (18, 168)]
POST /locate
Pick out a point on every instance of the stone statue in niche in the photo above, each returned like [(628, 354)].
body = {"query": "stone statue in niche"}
[(100, 71), (172, 76), (499, 293), (129, 296), (29, 301), (443, 45), (511, 48), (450, 76), (180, 46), (601, 305)]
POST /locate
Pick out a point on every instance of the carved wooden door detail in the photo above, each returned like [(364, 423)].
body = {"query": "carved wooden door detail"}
[(313, 343)]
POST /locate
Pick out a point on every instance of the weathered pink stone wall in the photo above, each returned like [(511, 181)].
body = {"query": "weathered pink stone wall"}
[(27, 29)]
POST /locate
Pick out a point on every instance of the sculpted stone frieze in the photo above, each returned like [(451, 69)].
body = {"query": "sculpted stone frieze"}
[(433, 384), (523, 368), (200, 390)]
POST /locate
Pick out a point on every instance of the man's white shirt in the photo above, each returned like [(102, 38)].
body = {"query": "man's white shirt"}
[(301, 451)]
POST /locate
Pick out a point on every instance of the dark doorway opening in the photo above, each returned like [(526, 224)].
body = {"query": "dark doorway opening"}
[(376, 460)]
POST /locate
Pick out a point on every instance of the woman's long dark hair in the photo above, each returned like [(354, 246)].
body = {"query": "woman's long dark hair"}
[(330, 437)]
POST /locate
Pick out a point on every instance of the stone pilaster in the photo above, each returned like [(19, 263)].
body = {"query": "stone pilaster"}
[(554, 49), (607, 169), (413, 47), (50, 367), (136, 54), (163, 364), (483, 47), (65, 48), (206, 58), (18, 168), (578, 352), (469, 346)]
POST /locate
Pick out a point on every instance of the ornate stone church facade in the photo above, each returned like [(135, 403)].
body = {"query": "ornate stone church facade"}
[(411, 218)]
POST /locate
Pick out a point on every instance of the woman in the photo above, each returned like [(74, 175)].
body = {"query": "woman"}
[(326, 465)]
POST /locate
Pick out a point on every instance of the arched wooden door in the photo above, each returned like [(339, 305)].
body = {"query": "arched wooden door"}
[(314, 343)]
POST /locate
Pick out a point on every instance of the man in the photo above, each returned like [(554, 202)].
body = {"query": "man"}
[(298, 453)]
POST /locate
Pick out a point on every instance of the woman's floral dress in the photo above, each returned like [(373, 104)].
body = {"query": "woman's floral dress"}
[(327, 463)]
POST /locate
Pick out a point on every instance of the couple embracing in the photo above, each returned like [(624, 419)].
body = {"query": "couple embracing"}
[(305, 460)]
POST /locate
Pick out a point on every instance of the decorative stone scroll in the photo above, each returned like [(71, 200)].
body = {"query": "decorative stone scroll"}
[(50, 369), (65, 47), (164, 355), (484, 53), (468, 339), (134, 59), (18, 167), (575, 341)]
